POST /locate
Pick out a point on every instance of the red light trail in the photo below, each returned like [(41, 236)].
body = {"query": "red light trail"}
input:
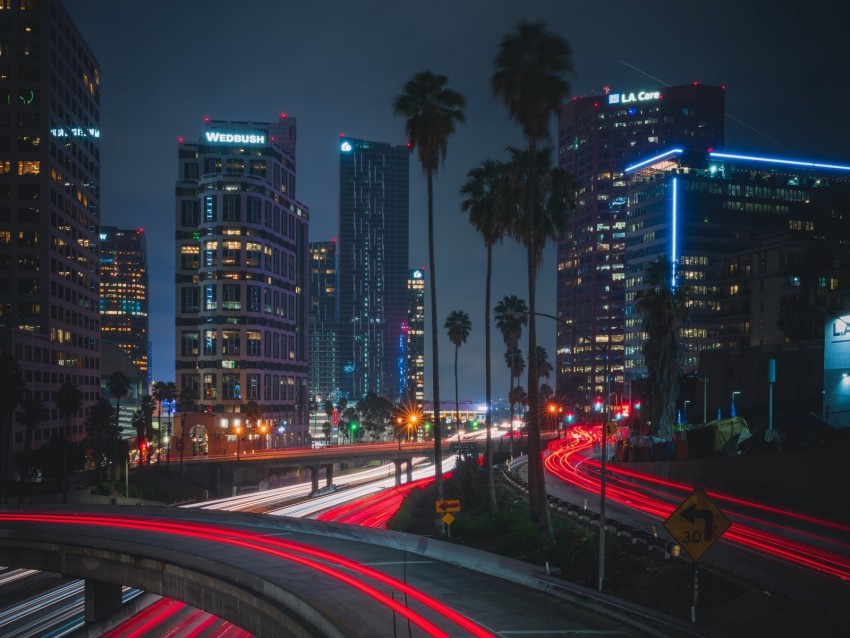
[(319, 560), (789, 536)]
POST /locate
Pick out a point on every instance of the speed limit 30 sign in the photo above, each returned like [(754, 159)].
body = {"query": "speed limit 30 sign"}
[(696, 524)]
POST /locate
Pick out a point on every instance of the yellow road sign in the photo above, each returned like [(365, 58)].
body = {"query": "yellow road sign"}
[(611, 428), (448, 505), (697, 523), (448, 519)]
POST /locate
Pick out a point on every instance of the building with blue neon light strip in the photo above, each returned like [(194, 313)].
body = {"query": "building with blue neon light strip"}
[(598, 136), (706, 211)]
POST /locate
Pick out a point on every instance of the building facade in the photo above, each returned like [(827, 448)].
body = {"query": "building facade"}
[(124, 295), (325, 356), (598, 136), (373, 266), (698, 208), (49, 213), (241, 277), (413, 393)]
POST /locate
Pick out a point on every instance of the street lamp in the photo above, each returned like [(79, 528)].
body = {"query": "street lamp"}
[(238, 441), (687, 420), (732, 409), (603, 464)]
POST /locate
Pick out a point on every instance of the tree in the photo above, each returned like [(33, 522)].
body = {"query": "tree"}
[(486, 205), (664, 307), (69, 400), (12, 382), (458, 326), (163, 392), (118, 385), (374, 413), (185, 403), (529, 77), (544, 368), (431, 110), (102, 435), (511, 315), (32, 413)]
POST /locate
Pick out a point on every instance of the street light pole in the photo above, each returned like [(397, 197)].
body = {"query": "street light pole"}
[(603, 464)]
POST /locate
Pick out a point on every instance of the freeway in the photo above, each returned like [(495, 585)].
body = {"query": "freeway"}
[(812, 553)]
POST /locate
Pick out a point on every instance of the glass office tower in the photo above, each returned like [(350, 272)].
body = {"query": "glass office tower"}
[(373, 265), (597, 137)]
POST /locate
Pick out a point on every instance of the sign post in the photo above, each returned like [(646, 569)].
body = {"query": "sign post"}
[(446, 507), (696, 524)]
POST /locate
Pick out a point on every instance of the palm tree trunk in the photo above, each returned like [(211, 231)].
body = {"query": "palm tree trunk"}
[(435, 355), (457, 404), (539, 504), (488, 420)]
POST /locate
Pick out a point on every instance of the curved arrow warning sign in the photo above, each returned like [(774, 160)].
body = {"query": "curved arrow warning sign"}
[(696, 524)]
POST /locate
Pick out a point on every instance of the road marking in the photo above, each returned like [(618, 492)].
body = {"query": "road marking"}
[(403, 562), (562, 632)]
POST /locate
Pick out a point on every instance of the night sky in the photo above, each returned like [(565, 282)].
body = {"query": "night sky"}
[(337, 65)]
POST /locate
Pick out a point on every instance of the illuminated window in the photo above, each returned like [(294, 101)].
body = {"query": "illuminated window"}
[(230, 342), (210, 342), (231, 253), (210, 386), (231, 297), (230, 388), (253, 342), (29, 167)]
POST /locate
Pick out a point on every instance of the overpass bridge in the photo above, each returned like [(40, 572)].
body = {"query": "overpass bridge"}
[(224, 475), (276, 576)]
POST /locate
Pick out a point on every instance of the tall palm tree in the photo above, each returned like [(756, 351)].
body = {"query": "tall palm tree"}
[(458, 326), (554, 195), (431, 110), (69, 400), (544, 368), (529, 77), (486, 205), (511, 315), (664, 307)]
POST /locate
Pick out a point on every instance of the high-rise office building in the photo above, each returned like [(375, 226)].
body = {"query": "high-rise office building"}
[(325, 360), (373, 265), (124, 294), (49, 216), (413, 392), (695, 208), (241, 280), (597, 137)]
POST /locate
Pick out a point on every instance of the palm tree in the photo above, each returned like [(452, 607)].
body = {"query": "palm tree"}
[(431, 110), (511, 315), (163, 392), (664, 307), (458, 326), (68, 402), (118, 385), (485, 203), (544, 368), (529, 78), (185, 403), (554, 194)]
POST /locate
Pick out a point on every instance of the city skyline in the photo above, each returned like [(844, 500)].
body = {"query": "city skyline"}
[(781, 67)]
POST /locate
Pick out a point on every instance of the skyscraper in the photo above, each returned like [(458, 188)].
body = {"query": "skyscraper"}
[(325, 357), (241, 281), (124, 294), (597, 137), (414, 390), (373, 265), (694, 208), (49, 216)]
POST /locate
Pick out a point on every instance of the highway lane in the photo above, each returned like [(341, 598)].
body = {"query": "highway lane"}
[(801, 557)]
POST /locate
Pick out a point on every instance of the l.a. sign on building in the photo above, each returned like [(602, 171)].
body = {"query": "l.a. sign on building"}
[(836, 371)]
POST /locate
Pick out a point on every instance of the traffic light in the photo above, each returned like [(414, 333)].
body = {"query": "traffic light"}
[(571, 417), (353, 426), (598, 405)]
